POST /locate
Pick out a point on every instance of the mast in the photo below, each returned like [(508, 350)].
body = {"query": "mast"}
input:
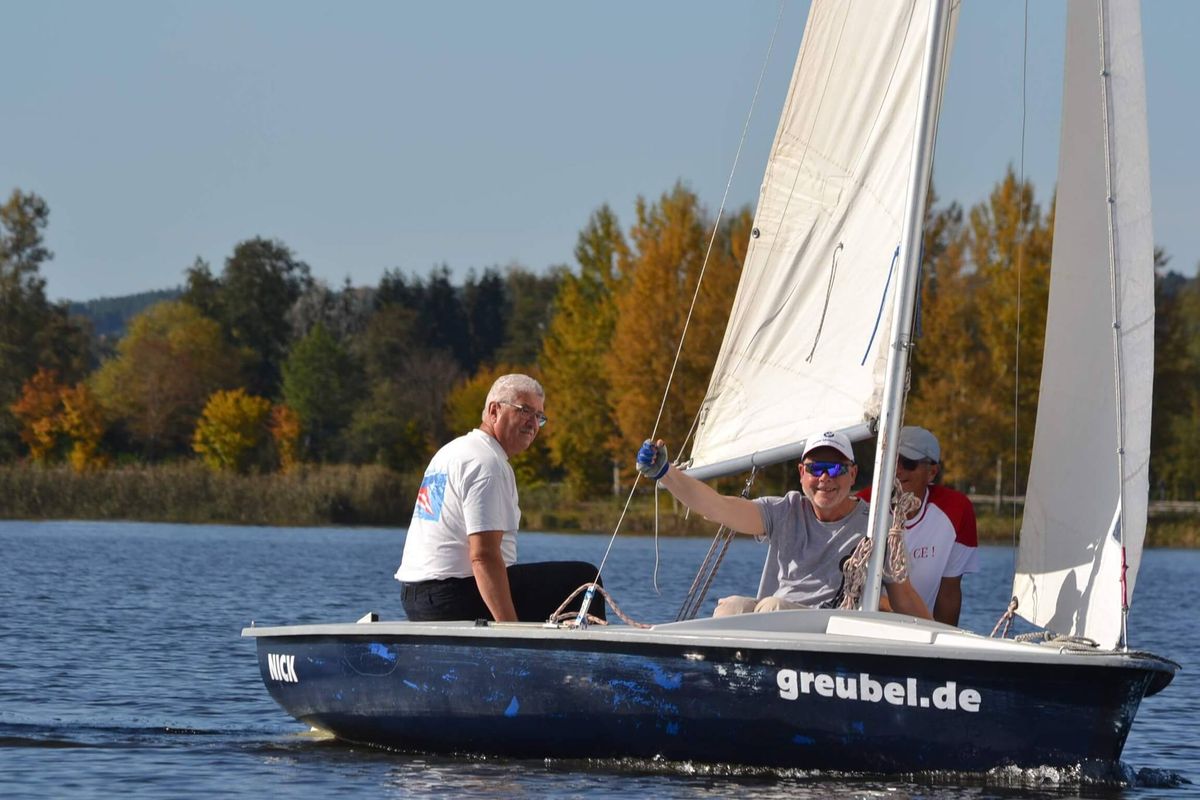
[(906, 292)]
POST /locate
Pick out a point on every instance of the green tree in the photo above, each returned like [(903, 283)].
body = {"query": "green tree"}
[(322, 382), (166, 367), (577, 338), (530, 300), (400, 421), (1175, 435), (251, 300)]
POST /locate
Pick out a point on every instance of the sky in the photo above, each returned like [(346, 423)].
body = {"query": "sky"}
[(378, 135)]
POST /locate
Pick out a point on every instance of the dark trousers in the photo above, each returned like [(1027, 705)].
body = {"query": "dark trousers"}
[(538, 589)]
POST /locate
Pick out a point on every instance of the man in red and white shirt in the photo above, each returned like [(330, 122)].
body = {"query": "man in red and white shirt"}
[(940, 535)]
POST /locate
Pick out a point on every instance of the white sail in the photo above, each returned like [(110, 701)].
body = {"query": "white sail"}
[(1086, 498), (807, 336)]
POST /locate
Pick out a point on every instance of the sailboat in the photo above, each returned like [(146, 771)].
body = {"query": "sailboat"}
[(822, 321)]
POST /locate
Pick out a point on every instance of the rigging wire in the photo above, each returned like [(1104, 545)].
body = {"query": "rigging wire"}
[(1021, 236), (587, 599)]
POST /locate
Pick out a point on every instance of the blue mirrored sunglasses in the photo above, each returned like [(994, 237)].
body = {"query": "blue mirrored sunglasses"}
[(834, 469)]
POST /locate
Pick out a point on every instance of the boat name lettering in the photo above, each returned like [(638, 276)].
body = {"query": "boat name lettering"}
[(947, 697), (282, 667)]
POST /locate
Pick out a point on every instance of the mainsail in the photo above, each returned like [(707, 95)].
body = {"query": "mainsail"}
[(1088, 480), (808, 334)]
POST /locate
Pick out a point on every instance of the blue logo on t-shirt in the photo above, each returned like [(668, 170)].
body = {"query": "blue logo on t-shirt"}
[(430, 497)]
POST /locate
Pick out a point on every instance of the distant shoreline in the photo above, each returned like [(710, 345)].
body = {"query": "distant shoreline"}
[(342, 495)]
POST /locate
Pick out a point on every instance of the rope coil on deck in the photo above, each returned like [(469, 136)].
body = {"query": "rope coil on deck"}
[(569, 619)]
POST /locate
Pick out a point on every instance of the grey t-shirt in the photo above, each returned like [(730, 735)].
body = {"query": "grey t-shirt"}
[(805, 555)]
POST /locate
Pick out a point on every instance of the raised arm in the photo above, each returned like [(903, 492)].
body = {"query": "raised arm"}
[(735, 513)]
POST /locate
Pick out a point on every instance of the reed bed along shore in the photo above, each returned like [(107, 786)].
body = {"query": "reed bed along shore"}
[(319, 495)]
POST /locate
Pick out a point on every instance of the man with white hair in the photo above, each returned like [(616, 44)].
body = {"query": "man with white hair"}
[(940, 535), (810, 533), (460, 553)]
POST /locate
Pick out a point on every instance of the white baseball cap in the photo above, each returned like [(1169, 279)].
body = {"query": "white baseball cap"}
[(918, 443), (835, 439)]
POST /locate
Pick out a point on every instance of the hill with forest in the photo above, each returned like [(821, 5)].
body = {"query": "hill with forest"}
[(110, 316)]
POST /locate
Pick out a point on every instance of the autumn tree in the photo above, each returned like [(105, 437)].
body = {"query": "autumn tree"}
[(82, 422), (985, 281), (1009, 245), (56, 419), (33, 332), (168, 363), (950, 368), (670, 241), (577, 339), (231, 430), (285, 429), (37, 410)]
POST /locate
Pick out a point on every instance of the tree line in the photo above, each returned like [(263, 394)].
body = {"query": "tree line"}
[(258, 366)]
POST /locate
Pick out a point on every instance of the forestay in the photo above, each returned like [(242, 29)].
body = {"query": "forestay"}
[(1097, 369), (807, 337)]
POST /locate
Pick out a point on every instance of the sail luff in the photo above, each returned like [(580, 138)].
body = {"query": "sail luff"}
[(804, 349), (1085, 510)]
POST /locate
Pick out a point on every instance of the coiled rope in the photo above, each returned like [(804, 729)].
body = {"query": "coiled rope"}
[(570, 619), (854, 571)]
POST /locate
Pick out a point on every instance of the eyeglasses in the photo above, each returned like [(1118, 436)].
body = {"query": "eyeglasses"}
[(912, 463), (834, 469), (527, 411)]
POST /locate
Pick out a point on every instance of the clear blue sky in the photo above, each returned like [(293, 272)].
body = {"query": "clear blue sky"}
[(373, 135)]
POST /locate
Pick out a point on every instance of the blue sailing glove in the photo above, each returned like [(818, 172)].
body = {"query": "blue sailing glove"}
[(652, 460)]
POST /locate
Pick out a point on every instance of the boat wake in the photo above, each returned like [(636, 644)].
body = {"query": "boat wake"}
[(1097, 774), (69, 735)]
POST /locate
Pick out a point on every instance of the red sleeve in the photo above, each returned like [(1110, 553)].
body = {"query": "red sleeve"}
[(864, 494), (957, 506)]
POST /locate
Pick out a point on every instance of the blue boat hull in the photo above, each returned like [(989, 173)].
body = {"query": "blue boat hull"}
[(760, 705)]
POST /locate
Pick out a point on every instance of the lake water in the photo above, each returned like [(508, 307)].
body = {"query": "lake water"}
[(122, 670)]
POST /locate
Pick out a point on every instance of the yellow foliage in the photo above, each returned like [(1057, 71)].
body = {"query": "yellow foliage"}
[(231, 428), (82, 420), (53, 415), (671, 240)]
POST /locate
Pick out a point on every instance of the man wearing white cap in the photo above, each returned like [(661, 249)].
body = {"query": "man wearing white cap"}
[(810, 534), (940, 535)]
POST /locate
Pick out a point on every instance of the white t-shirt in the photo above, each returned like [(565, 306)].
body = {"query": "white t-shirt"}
[(941, 539), (469, 487)]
